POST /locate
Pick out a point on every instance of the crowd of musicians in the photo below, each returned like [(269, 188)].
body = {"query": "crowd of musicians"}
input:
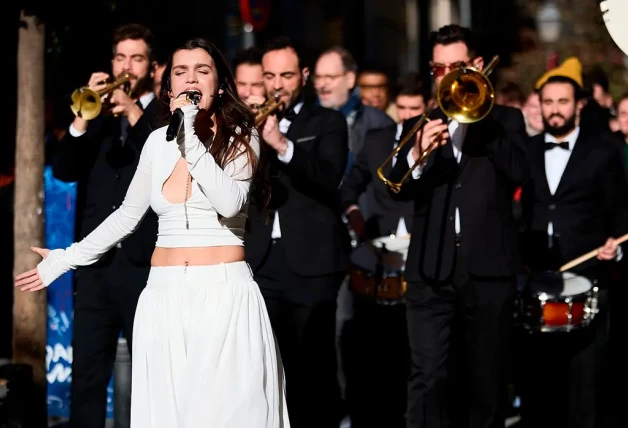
[(396, 308)]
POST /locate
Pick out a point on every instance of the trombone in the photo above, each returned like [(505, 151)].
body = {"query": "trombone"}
[(266, 109), (87, 104), (465, 95)]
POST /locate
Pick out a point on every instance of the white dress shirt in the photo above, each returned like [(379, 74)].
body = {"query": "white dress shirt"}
[(556, 160), (284, 124), (457, 132)]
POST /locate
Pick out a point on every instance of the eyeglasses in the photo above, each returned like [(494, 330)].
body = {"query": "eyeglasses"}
[(327, 78), (439, 70)]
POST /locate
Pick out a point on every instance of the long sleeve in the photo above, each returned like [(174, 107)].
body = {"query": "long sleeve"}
[(226, 189), (356, 181), (508, 150), (114, 229)]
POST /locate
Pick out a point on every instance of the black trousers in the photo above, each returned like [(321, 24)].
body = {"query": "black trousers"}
[(302, 311), (104, 305), (564, 377), (376, 362), (458, 333)]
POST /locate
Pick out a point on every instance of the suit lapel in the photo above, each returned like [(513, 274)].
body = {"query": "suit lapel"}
[(296, 127), (578, 157)]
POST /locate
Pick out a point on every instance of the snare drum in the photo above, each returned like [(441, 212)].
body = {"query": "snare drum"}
[(377, 269), (574, 306)]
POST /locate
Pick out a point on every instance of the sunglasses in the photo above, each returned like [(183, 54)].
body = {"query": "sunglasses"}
[(439, 70)]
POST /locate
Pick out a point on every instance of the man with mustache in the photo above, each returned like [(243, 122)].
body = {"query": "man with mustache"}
[(102, 156), (575, 201), (296, 249)]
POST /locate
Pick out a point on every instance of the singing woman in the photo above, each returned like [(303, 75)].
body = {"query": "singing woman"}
[(204, 353)]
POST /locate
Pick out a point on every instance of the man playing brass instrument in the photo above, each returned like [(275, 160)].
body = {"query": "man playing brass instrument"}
[(463, 256), (102, 155)]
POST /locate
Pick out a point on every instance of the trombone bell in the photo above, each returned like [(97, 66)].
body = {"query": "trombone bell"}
[(87, 103), (466, 95)]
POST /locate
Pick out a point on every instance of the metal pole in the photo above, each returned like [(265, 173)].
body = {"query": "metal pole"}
[(122, 386), (465, 13), (412, 35)]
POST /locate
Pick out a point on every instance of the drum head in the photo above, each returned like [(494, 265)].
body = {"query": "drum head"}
[(393, 243), (574, 284)]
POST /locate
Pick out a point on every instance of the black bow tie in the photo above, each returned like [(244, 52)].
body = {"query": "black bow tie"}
[(290, 114), (563, 145)]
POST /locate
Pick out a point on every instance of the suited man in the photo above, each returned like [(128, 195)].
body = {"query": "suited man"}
[(376, 332), (102, 155), (296, 250), (463, 252), (575, 201)]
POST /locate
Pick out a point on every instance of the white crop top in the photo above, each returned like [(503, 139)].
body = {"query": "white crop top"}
[(215, 191)]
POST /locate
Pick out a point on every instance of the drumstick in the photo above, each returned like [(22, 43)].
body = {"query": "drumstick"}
[(583, 258)]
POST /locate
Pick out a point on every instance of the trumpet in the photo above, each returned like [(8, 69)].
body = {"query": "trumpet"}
[(87, 103), (465, 95), (268, 108)]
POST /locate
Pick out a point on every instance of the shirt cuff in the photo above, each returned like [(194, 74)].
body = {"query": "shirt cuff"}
[(416, 173), (287, 157), (75, 132), (620, 254)]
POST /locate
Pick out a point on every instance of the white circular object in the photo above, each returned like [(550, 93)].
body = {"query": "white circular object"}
[(615, 15), (574, 284)]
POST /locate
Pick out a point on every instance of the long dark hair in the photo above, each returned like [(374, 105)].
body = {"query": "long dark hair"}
[(231, 113)]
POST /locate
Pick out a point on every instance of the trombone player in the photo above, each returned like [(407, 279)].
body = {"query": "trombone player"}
[(101, 152), (463, 256)]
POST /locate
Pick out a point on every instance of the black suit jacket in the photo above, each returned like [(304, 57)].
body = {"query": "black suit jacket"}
[(385, 211), (305, 194), (493, 164), (589, 205), (103, 168)]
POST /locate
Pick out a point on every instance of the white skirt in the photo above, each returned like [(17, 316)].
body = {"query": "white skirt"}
[(204, 353)]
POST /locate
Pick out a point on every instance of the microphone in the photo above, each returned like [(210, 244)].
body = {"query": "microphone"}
[(176, 121)]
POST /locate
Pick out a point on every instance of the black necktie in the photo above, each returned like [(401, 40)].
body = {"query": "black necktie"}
[(124, 125), (563, 145)]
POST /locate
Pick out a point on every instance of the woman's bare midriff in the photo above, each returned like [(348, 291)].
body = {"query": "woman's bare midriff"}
[(197, 256)]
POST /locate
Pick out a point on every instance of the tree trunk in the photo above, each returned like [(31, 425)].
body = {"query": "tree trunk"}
[(30, 308)]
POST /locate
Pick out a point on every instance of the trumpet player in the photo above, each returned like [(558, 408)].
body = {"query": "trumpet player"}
[(296, 252), (462, 258), (102, 155)]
